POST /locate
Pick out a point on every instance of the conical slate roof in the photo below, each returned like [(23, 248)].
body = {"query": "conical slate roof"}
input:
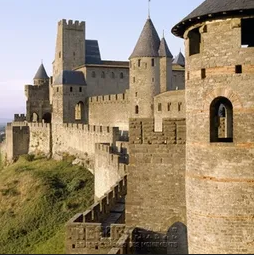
[(179, 60), (164, 50), (211, 9), (148, 42), (41, 73)]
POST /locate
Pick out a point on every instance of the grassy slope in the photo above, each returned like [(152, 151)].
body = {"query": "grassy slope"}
[(36, 200)]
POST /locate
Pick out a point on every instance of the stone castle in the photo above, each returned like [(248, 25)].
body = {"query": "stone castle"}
[(170, 142)]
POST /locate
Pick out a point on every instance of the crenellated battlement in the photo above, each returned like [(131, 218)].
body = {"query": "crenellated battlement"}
[(96, 235), (71, 24), (19, 117), (92, 128), (39, 125), (142, 131), (109, 98)]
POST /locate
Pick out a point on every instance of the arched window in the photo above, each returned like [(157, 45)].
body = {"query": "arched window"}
[(93, 74), (121, 75), (79, 109), (47, 117), (102, 74), (136, 109), (35, 117), (221, 120), (113, 75)]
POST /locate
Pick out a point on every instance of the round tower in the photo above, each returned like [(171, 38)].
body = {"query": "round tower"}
[(165, 66), (145, 72), (220, 144), (41, 76)]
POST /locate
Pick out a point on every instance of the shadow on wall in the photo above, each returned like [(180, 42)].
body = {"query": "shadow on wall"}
[(149, 242)]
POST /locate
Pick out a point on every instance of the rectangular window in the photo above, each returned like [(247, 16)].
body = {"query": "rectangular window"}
[(238, 69), (80, 89), (139, 62), (152, 62), (194, 41), (169, 106), (247, 32)]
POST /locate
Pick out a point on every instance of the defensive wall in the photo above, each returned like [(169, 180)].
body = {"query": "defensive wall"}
[(87, 232), (110, 167), (156, 175), (110, 110)]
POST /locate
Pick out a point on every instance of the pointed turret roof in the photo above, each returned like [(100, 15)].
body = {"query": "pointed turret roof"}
[(148, 42), (211, 9), (41, 73), (164, 50), (179, 60)]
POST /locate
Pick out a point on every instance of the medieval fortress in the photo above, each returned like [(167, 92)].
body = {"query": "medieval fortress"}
[(170, 141)]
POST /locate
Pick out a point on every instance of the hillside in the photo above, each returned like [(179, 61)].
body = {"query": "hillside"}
[(36, 200)]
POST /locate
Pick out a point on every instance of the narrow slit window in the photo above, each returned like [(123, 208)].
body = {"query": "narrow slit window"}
[(80, 89), (139, 62), (169, 107), (71, 89), (136, 109), (203, 73), (159, 107), (152, 62)]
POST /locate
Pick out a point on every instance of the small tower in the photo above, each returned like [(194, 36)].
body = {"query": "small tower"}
[(145, 72), (165, 66), (69, 94), (38, 107), (70, 46), (41, 77)]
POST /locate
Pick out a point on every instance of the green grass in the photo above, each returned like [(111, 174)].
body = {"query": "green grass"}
[(37, 198)]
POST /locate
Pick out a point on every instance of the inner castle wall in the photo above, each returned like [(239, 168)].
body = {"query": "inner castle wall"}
[(110, 110)]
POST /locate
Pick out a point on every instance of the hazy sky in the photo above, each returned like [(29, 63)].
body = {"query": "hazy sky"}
[(28, 34)]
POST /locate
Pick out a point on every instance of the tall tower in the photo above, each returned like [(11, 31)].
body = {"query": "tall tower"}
[(220, 144), (165, 66), (70, 46), (145, 72)]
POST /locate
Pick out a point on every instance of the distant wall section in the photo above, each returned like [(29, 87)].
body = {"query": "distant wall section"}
[(110, 110), (170, 104)]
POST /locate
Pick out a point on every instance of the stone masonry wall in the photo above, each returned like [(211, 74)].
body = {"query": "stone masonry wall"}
[(17, 139), (114, 81), (156, 175), (79, 139), (219, 175), (170, 104), (110, 110), (109, 168), (40, 138), (85, 233)]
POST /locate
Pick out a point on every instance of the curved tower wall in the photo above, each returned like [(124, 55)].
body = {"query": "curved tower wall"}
[(144, 85), (220, 175)]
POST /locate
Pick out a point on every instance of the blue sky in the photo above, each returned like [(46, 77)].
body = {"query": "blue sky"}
[(28, 34)]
